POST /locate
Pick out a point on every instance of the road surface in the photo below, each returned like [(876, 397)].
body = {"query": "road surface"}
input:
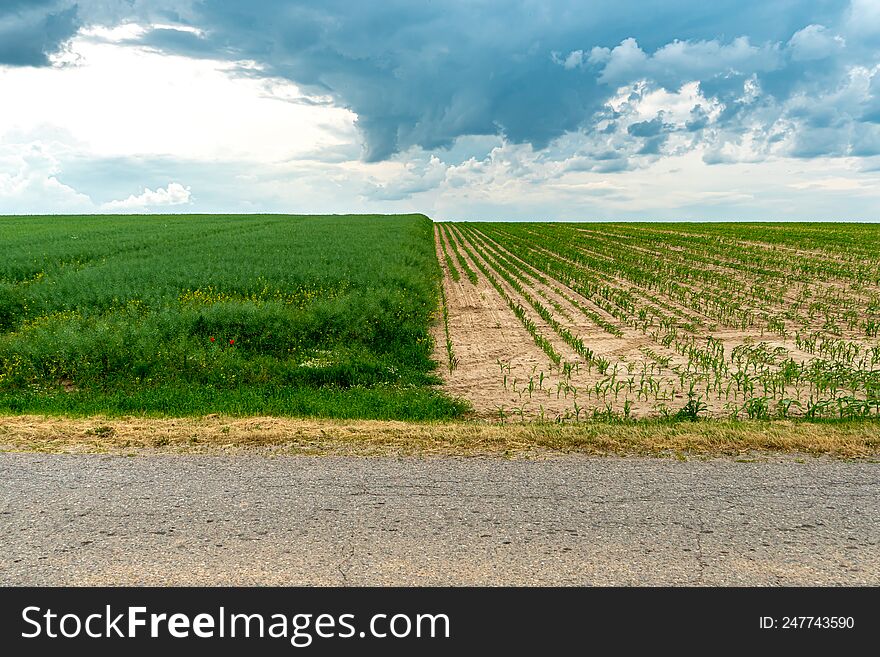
[(252, 519)]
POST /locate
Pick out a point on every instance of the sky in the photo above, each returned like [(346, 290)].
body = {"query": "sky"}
[(516, 110)]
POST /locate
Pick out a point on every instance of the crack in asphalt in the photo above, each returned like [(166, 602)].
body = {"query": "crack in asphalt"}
[(701, 559), (349, 550), (342, 566)]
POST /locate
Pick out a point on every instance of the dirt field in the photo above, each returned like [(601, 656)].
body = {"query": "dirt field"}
[(731, 349)]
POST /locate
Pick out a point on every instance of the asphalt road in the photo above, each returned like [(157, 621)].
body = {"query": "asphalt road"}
[(248, 519)]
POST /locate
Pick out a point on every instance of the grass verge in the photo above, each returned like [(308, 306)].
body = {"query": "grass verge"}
[(101, 434)]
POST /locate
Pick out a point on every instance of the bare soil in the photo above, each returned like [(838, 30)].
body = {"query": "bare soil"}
[(505, 375)]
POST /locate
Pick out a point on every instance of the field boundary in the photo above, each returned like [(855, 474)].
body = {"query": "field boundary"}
[(273, 435)]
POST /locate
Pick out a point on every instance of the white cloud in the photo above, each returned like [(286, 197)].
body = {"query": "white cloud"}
[(574, 59), (676, 62), (29, 183), (115, 33), (864, 18), (123, 100), (623, 62), (572, 184), (836, 184), (640, 102), (173, 194), (414, 176), (814, 42), (698, 59)]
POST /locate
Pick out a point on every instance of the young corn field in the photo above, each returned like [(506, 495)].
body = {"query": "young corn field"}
[(567, 322)]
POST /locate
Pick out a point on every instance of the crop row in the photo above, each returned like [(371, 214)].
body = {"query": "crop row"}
[(783, 344)]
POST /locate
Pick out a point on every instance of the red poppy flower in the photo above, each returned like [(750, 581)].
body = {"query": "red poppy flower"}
[(212, 338), (232, 342)]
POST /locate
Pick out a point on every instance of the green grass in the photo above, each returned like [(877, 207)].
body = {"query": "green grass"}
[(323, 316)]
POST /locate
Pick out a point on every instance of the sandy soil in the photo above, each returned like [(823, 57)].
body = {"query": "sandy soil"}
[(485, 333)]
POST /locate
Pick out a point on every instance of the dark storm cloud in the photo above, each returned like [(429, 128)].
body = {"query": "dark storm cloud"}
[(422, 74), (646, 128), (178, 41), (30, 31)]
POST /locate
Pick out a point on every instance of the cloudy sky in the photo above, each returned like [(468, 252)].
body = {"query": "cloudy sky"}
[(545, 109)]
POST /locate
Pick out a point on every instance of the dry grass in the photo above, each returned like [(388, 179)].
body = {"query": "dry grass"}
[(35, 433)]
